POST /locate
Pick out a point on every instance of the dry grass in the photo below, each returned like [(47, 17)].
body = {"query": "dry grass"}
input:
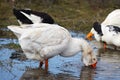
[(76, 15)]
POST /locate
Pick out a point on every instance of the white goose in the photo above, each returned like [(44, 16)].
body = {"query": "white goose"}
[(27, 16), (49, 40), (108, 31)]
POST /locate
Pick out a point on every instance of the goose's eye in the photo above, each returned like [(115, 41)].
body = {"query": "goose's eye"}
[(94, 59), (89, 53)]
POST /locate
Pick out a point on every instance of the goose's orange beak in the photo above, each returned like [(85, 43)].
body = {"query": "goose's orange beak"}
[(89, 36), (94, 65)]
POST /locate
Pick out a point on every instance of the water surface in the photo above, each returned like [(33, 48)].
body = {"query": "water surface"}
[(60, 68)]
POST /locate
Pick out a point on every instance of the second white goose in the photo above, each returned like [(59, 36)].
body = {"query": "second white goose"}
[(108, 31)]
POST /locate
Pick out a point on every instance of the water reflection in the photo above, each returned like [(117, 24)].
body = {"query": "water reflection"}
[(108, 67), (41, 74), (87, 73), (109, 55)]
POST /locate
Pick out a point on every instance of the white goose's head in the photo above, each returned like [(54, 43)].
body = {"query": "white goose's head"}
[(90, 59), (88, 56)]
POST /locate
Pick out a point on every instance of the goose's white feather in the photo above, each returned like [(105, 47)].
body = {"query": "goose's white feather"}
[(41, 43)]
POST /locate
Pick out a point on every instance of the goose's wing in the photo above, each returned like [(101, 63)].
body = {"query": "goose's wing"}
[(46, 41), (50, 36), (22, 18), (49, 41), (30, 17), (46, 36)]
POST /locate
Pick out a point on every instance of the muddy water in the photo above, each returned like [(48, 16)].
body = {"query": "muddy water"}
[(60, 68)]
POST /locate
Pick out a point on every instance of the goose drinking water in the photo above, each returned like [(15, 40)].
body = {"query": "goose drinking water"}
[(48, 40)]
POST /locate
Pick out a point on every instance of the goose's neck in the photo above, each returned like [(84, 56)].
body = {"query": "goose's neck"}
[(76, 45), (83, 45)]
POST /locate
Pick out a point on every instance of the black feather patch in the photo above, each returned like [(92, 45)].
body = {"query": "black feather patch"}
[(97, 28), (46, 18), (116, 29), (21, 17)]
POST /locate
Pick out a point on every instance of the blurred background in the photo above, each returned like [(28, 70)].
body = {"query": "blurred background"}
[(77, 15)]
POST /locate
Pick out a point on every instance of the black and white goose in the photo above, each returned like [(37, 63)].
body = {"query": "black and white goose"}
[(108, 31), (27, 16)]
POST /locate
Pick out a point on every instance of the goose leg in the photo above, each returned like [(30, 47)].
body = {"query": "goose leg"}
[(41, 64), (104, 45), (46, 64), (115, 47)]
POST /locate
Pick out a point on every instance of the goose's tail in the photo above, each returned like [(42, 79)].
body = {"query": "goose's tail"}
[(16, 30)]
